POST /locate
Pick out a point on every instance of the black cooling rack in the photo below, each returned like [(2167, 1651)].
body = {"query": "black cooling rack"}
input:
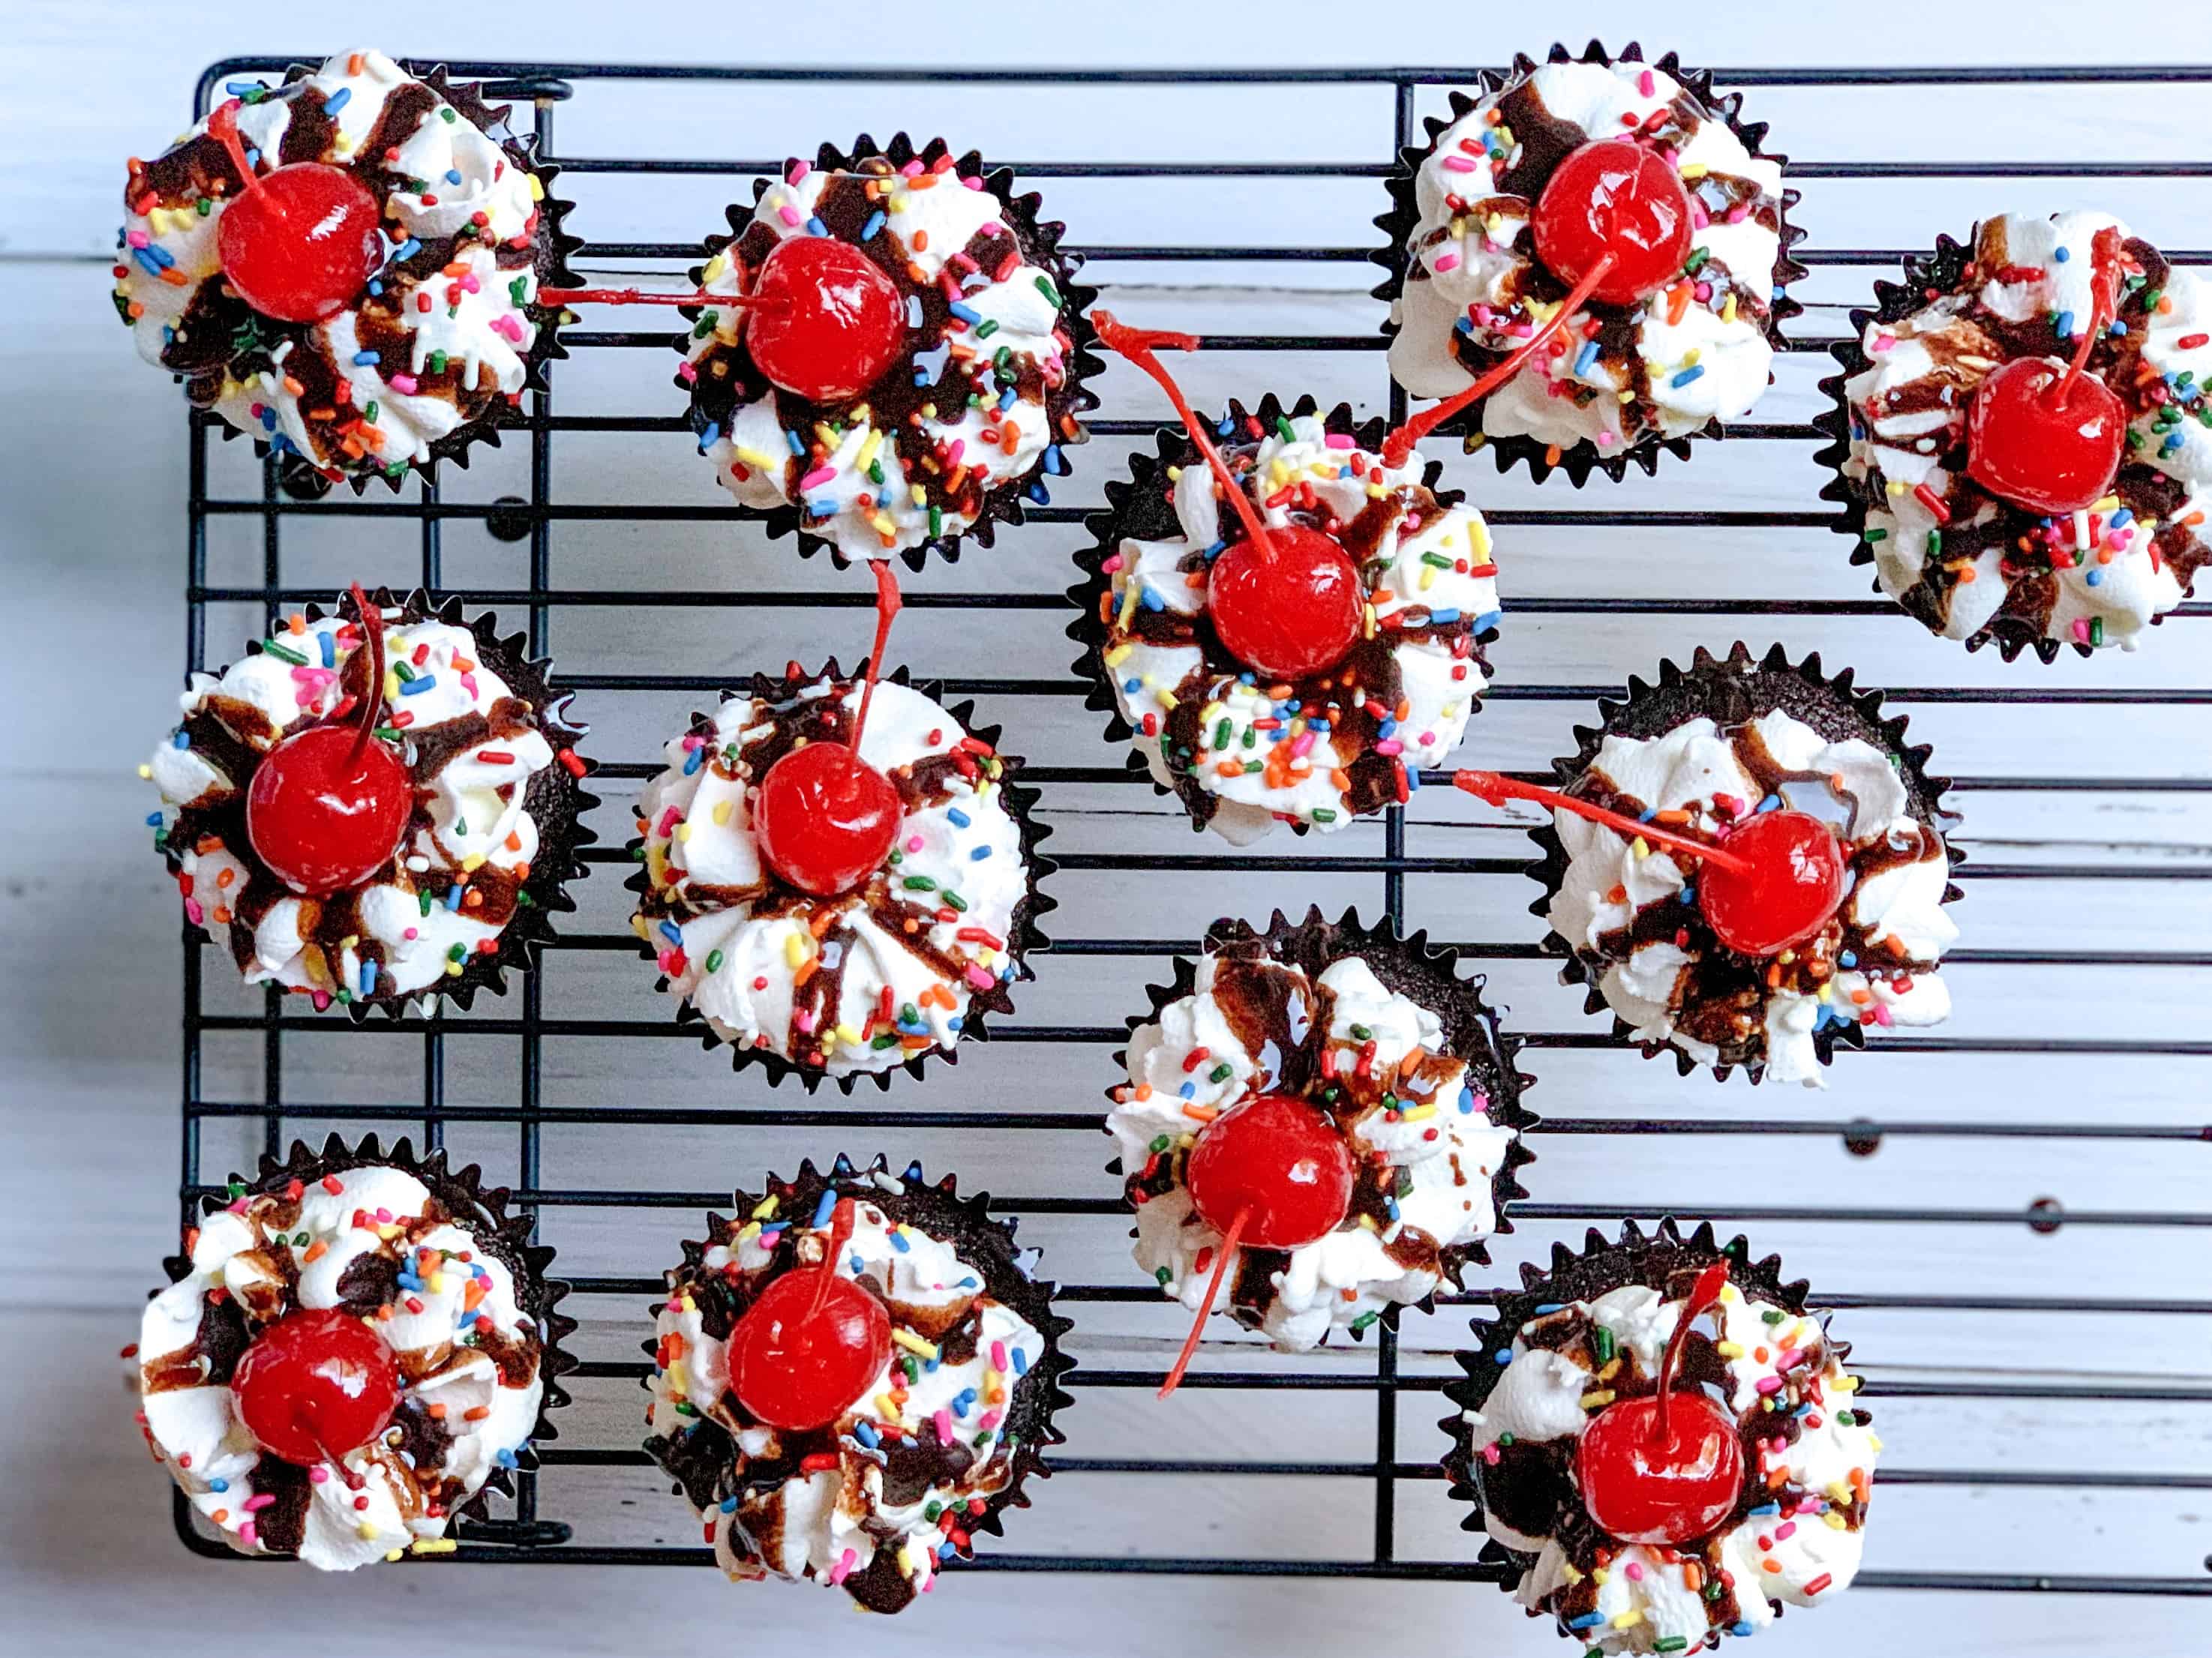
[(535, 1533)]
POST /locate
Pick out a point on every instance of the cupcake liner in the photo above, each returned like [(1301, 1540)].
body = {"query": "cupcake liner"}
[(1428, 974), (479, 1208), (983, 1241), (1025, 938), (1718, 686), (1603, 1264), (1040, 239), (303, 481), (1136, 506), (556, 800), (1399, 223)]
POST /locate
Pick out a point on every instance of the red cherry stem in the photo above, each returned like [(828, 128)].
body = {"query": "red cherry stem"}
[(841, 1234), (2104, 282), (640, 296), (372, 701), (1223, 1251), (1704, 1294), (1496, 790), (1400, 444), (222, 122), (888, 605), (1138, 344)]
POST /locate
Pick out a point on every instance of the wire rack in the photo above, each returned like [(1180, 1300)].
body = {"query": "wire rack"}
[(539, 1529)]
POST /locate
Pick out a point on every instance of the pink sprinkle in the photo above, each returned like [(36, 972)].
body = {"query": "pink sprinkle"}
[(321, 999), (255, 1505), (972, 183), (911, 170), (1428, 738), (818, 477), (804, 1020), (1787, 1528), (410, 933), (989, 1420), (2081, 630), (1301, 745), (138, 239), (1112, 564), (1456, 164), (799, 170), (1770, 1384), (687, 373), (980, 977), (788, 213), (1883, 341), (952, 455), (469, 684), (194, 914), (248, 1535), (1698, 217), (471, 284), (1447, 262), (669, 820), (405, 385), (1338, 440), (844, 1566), (944, 1420), (1635, 1572), (913, 843), (1882, 1015), (692, 740), (317, 1475), (998, 1355), (1490, 1455), (1738, 214), (1646, 85), (1390, 745)]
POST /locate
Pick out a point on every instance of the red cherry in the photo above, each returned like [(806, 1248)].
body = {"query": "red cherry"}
[(811, 1343), (1794, 882), (326, 812), (828, 322), (303, 243), (316, 1384), (2028, 444), (1278, 1162), (825, 818), (1614, 196), (1291, 615), (1644, 1484)]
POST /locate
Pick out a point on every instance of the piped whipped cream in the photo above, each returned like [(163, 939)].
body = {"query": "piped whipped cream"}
[(1971, 566), (375, 1242), (973, 414), (444, 330), (1416, 1117), (1243, 751), (865, 979), (471, 746), (1698, 350), (1876, 961)]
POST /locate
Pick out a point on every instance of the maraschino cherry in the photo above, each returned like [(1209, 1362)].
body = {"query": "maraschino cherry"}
[(301, 241), (813, 1342), (327, 807), (316, 1384), (1773, 880), (2049, 440), (1615, 197), (1664, 1467), (825, 817), (1272, 1171)]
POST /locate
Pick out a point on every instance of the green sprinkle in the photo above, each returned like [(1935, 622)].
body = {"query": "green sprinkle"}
[(1877, 535), (406, 674), (1773, 1317), (424, 899), (1221, 730), (935, 522), (1671, 1643), (989, 328), (437, 363), (953, 900), (284, 654), (1363, 1321), (713, 961), (1436, 561), (1162, 1274), (1324, 814), (1360, 1033), (919, 884), (457, 952), (1160, 1143), (1044, 286), (1601, 1343), (1221, 1073)]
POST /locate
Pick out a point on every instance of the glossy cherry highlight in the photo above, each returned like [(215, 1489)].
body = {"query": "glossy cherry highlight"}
[(812, 1342), (1664, 1467), (328, 806), (828, 323), (301, 241), (1614, 198), (316, 1384)]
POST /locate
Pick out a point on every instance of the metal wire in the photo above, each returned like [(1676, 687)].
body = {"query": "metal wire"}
[(526, 1537)]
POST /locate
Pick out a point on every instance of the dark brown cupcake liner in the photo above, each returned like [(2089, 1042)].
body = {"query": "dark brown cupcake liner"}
[(483, 1211), (1136, 507), (556, 800), (1720, 687), (983, 1241), (1428, 974), (550, 260), (1041, 244), (1399, 224), (1025, 938), (1603, 1264)]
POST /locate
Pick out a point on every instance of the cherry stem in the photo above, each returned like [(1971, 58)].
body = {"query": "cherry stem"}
[(1497, 789), (1138, 344), (1705, 1293), (640, 296), (222, 122), (1400, 444), (1225, 1249), (371, 698), (841, 1234), (888, 605), (2103, 280)]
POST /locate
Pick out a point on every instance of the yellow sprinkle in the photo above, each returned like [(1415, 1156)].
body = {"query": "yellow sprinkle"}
[(1591, 1401), (536, 190), (1569, 1573), (749, 1231), (756, 459), (434, 1545), (1873, 1442), (766, 1208), (679, 1381), (1844, 1384), (868, 449), (472, 863), (637, 925), (365, 1530), (914, 1344), (715, 267), (1692, 170), (1167, 698), (887, 1407), (1727, 308), (1114, 660), (683, 831), (794, 948), (1600, 1575), (1839, 1492), (146, 773), (849, 1036), (1728, 1349), (1835, 1520), (1628, 1619), (1418, 1113)]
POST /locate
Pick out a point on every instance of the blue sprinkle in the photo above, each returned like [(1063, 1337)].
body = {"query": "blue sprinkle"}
[(944, 1550), (152, 820), (960, 819), (1132, 686), (1215, 551), (2116, 329), (1772, 803), (369, 978), (1467, 1101), (729, 1505), (1849, 958), (1765, 1508), (867, 1435), (408, 1280), (979, 854), (1585, 357), (1444, 617), (899, 1243), (706, 438), (858, 1265), (1741, 1626), (955, 1023), (1463, 325), (238, 89), (1503, 1355), (1038, 494), (693, 760), (147, 261), (1412, 779), (672, 933), (505, 1459), (2062, 254), (826, 1208), (453, 175), (966, 314), (416, 687), (929, 1366), (2096, 577), (408, 249), (842, 1166), (1587, 1620), (797, 447), (1487, 620), (1153, 600), (1007, 398), (376, 287), (1055, 463), (2064, 325), (1188, 1091), (816, 227), (1546, 1308), (253, 157), (824, 507), (363, 359), (1696, 371), (183, 739), (453, 895), (1021, 1362), (339, 99), (269, 424), (2121, 517), (875, 223), (218, 1484), (2173, 442)]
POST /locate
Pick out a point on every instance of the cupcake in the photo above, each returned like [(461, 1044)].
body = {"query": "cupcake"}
[(899, 356), (377, 827), (1334, 1102), (1663, 1443), (854, 1425), (1734, 941), (1242, 735), (1503, 216), (354, 1346), (2015, 435), (821, 937), (345, 267)]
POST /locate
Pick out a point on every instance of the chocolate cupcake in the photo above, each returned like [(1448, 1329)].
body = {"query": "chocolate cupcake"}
[(1639, 1532), (355, 1347), (894, 960), (1369, 1046), (1999, 500), (854, 1426), (953, 384), (467, 829), (1702, 755), (406, 327), (1677, 339), (1244, 750)]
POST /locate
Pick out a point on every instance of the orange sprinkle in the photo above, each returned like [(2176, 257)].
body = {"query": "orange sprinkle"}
[(922, 241)]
